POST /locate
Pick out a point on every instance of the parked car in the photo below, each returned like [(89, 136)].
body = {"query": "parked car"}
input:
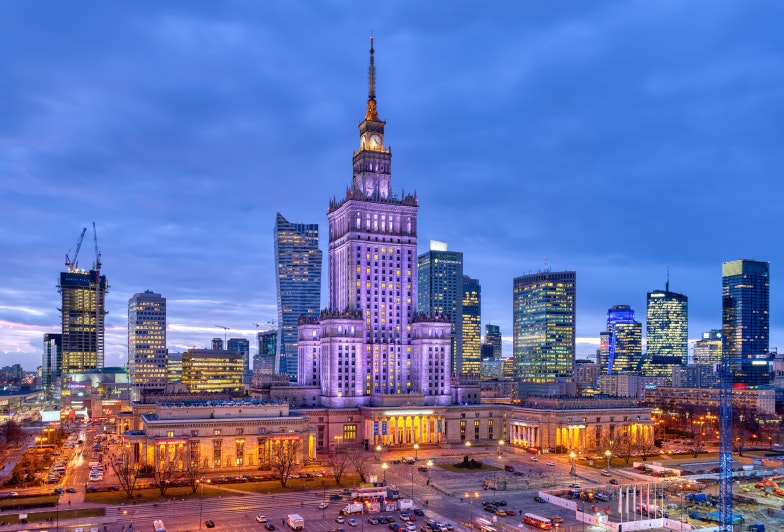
[(269, 526), (335, 497), (551, 463), (59, 491), (261, 518), (509, 468), (557, 519), (340, 519), (534, 459), (613, 482), (538, 499), (70, 490), (323, 505), (419, 511), (209, 523), (353, 522)]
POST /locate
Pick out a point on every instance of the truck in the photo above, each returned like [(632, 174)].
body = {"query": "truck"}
[(352, 508), (405, 504), (295, 521)]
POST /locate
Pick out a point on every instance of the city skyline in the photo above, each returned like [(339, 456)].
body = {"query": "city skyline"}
[(182, 137)]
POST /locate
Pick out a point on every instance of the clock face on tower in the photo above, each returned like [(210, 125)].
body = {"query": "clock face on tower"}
[(375, 141)]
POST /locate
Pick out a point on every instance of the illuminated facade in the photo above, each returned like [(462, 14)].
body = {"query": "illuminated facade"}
[(494, 338), (210, 370), (298, 283), (745, 290), (440, 291), (83, 327), (51, 365), (544, 326), (707, 350), (621, 346), (147, 354), (667, 332), (370, 347), (264, 361), (472, 327)]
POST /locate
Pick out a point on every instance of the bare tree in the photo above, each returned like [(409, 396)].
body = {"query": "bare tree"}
[(360, 460), (697, 443), (744, 424), (283, 458), (194, 472), (13, 432), (644, 445), (338, 464), (127, 473), (165, 470), (626, 445)]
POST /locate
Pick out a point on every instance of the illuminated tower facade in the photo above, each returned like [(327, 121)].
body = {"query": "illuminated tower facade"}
[(470, 357), (707, 350), (440, 291), (242, 346), (370, 346), (544, 319), (667, 332), (83, 311), (147, 354), (494, 338), (298, 282), (50, 366), (624, 341)]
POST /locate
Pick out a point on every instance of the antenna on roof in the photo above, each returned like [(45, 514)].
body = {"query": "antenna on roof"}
[(667, 286)]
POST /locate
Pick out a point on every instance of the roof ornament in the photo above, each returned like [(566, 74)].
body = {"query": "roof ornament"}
[(371, 114)]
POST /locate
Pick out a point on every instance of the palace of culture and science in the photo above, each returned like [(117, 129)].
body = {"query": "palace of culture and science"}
[(371, 370)]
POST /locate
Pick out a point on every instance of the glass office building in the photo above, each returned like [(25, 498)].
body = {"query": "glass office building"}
[(472, 327), (147, 354), (624, 341), (667, 333), (544, 325), (83, 314)]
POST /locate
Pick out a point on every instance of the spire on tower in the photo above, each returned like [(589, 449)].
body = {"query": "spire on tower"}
[(371, 114)]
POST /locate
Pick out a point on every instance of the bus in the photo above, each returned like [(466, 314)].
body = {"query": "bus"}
[(157, 526), (537, 521), (484, 525)]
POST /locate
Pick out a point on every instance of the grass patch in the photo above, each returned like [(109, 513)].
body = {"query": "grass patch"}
[(39, 517), (453, 468), (28, 502), (294, 484)]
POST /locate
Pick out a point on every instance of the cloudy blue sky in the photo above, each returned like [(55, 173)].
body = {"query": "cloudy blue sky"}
[(613, 138)]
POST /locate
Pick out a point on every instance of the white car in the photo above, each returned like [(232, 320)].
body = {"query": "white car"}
[(551, 463), (261, 518), (323, 505)]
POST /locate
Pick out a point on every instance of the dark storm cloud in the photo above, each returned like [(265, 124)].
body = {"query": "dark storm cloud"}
[(614, 138)]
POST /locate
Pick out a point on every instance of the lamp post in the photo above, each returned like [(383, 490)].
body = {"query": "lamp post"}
[(416, 452), (471, 506), (429, 467), (201, 500), (608, 454), (501, 448), (468, 444), (384, 468), (412, 484), (573, 470), (378, 453)]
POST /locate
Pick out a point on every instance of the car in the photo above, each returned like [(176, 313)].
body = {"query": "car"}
[(605, 473), (500, 513), (575, 485), (412, 517), (538, 499), (551, 463), (499, 502), (59, 491), (509, 468), (269, 526), (383, 520), (261, 519), (557, 519), (534, 459), (373, 520), (613, 482), (13, 494), (396, 462), (518, 473), (404, 516), (340, 519), (209, 523), (394, 527), (323, 505), (353, 522), (423, 469), (419, 511), (510, 512), (70, 490), (391, 518), (335, 497)]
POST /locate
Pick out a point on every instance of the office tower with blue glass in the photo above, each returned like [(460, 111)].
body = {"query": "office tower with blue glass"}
[(264, 361), (440, 281), (620, 345), (544, 320), (298, 262), (242, 346), (493, 337), (707, 350), (745, 290), (667, 332)]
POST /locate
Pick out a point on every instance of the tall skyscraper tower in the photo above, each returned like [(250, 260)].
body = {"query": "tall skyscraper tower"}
[(544, 325), (298, 283), (83, 311), (147, 353), (470, 358), (51, 371), (494, 338), (667, 332), (745, 290), (371, 347), (242, 346), (624, 341), (264, 362), (440, 280)]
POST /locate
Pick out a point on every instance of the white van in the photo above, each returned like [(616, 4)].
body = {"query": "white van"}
[(157, 526)]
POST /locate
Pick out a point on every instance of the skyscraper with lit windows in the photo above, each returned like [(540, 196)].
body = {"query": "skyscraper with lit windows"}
[(298, 284), (623, 340), (472, 327), (494, 338), (83, 312), (544, 325), (147, 354), (667, 332), (707, 350)]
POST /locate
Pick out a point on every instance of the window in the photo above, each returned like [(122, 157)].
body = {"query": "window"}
[(216, 432), (240, 431), (194, 433), (349, 432), (216, 453), (170, 434)]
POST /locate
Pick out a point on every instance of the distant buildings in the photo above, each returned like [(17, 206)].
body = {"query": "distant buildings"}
[(242, 346), (83, 310), (472, 326), (493, 337), (745, 290), (298, 285), (667, 332), (544, 326), (707, 351), (210, 370), (264, 361), (621, 344), (147, 354), (51, 369), (440, 291), (217, 344)]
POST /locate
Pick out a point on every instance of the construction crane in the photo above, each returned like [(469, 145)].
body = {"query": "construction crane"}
[(97, 266), (225, 330), (71, 263), (725, 443)]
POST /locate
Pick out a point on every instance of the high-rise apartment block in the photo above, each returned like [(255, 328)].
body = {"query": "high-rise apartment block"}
[(371, 347), (745, 290), (147, 354), (544, 326), (242, 346), (472, 327), (51, 369), (621, 345), (667, 332), (440, 291), (707, 350), (298, 283), (493, 337), (83, 327)]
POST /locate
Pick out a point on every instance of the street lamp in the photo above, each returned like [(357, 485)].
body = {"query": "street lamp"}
[(378, 453), (608, 454), (384, 468), (500, 448), (201, 500), (471, 506), (573, 470), (429, 467), (416, 452), (468, 444)]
